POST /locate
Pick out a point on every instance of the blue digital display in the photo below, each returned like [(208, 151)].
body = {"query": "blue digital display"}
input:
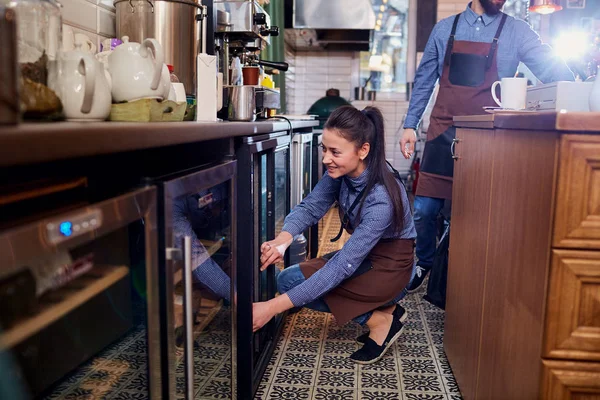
[(66, 228)]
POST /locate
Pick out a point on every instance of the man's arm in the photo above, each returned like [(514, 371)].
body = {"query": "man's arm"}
[(539, 57), (425, 79)]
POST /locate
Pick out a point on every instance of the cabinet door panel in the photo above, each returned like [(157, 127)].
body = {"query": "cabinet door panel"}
[(565, 380), (518, 262), (577, 222), (467, 256), (573, 314)]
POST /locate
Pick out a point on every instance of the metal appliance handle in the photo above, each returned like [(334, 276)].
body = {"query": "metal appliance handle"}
[(282, 66), (452, 148), (188, 320)]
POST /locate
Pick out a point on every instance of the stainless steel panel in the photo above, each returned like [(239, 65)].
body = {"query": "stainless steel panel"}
[(333, 14), (241, 18), (172, 23), (20, 245), (298, 168)]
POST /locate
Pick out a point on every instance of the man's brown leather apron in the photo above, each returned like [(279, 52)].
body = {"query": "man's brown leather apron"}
[(470, 69), (392, 262)]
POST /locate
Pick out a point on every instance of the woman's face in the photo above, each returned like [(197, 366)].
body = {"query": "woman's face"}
[(341, 157)]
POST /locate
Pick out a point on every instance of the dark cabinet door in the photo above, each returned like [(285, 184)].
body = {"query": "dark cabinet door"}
[(199, 216)]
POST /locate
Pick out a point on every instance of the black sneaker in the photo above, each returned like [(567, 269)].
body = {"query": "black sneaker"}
[(399, 314), (371, 352), (420, 275)]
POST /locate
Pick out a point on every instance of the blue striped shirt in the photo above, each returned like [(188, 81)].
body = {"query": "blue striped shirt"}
[(373, 223), (517, 43)]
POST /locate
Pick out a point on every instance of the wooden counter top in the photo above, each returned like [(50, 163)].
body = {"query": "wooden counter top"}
[(582, 122), (31, 143)]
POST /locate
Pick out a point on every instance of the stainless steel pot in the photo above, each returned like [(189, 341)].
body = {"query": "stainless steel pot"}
[(172, 23), (242, 103)]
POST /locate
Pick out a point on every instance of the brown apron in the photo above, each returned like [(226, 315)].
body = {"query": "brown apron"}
[(392, 262), (470, 69)]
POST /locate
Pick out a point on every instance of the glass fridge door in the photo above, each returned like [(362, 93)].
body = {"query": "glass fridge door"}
[(199, 214)]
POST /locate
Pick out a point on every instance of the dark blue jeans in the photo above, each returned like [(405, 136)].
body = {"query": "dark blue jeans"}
[(293, 276), (427, 210)]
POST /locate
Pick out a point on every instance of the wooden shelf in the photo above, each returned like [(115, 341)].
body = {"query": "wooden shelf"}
[(58, 303)]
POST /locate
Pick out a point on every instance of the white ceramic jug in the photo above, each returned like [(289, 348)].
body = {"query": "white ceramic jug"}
[(82, 86), (137, 71)]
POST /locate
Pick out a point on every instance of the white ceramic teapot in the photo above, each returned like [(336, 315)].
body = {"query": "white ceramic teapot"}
[(82, 86), (136, 71)]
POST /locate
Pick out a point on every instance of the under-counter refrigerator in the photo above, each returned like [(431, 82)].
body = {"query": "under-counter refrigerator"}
[(197, 270), (263, 202)]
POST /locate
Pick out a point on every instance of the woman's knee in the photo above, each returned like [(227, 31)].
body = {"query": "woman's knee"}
[(289, 278)]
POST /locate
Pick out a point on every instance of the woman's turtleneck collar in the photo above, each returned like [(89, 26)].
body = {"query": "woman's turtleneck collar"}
[(360, 181)]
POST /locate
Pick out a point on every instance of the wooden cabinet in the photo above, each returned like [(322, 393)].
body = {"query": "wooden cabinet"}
[(573, 313), (565, 380), (578, 195), (462, 345), (523, 297)]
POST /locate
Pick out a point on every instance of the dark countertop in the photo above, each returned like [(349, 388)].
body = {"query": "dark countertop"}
[(579, 122), (31, 143)]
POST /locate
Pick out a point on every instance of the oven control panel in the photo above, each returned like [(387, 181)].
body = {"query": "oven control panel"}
[(59, 230)]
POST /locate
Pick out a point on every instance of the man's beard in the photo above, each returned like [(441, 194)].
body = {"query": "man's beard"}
[(490, 7)]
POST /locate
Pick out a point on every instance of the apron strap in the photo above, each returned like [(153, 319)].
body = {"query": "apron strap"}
[(346, 218), (490, 56), (450, 45)]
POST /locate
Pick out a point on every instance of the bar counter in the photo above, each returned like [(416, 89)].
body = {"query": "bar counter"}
[(522, 318)]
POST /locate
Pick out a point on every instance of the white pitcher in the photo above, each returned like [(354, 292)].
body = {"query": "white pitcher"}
[(82, 86), (137, 71)]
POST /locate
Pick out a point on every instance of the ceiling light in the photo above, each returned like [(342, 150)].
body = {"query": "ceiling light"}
[(382, 8), (544, 6)]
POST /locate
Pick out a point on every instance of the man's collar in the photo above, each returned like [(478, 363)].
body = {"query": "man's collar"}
[(471, 16)]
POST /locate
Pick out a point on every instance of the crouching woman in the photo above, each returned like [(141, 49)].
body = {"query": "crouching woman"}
[(366, 278)]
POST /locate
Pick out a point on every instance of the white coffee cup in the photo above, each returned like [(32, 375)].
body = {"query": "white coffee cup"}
[(513, 93), (87, 46)]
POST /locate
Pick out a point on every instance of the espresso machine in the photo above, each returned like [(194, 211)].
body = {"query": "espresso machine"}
[(243, 29)]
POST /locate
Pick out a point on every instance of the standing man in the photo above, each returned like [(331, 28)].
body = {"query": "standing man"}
[(467, 53)]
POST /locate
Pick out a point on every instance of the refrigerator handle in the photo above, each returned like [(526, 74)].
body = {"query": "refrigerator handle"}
[(188, 322)]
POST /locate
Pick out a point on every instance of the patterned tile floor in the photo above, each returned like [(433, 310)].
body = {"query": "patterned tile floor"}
[(311, 357), (310, 360)]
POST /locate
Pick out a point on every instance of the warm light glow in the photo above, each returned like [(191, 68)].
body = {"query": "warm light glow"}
[(378, 22), (382, 8), (571, 45), (385, 1), (377, 27), (544, 6)]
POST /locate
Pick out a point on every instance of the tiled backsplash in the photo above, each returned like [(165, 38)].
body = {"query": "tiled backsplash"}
[(312, 73), (95, 18)]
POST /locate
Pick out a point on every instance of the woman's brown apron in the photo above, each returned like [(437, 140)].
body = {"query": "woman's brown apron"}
[(470, 70), (392, 263)]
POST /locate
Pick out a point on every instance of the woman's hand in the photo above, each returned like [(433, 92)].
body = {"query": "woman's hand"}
[(261, 314), (272, 251)]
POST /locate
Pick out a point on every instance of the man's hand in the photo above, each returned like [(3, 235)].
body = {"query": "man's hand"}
[(407, 143), (272, 251)]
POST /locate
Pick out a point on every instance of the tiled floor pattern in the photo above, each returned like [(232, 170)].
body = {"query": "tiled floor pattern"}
[(311, 357), (310, 361)]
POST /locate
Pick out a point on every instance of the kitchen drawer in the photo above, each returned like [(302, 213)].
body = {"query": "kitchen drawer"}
[(573, 307), (566, 380), (577, 218)]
